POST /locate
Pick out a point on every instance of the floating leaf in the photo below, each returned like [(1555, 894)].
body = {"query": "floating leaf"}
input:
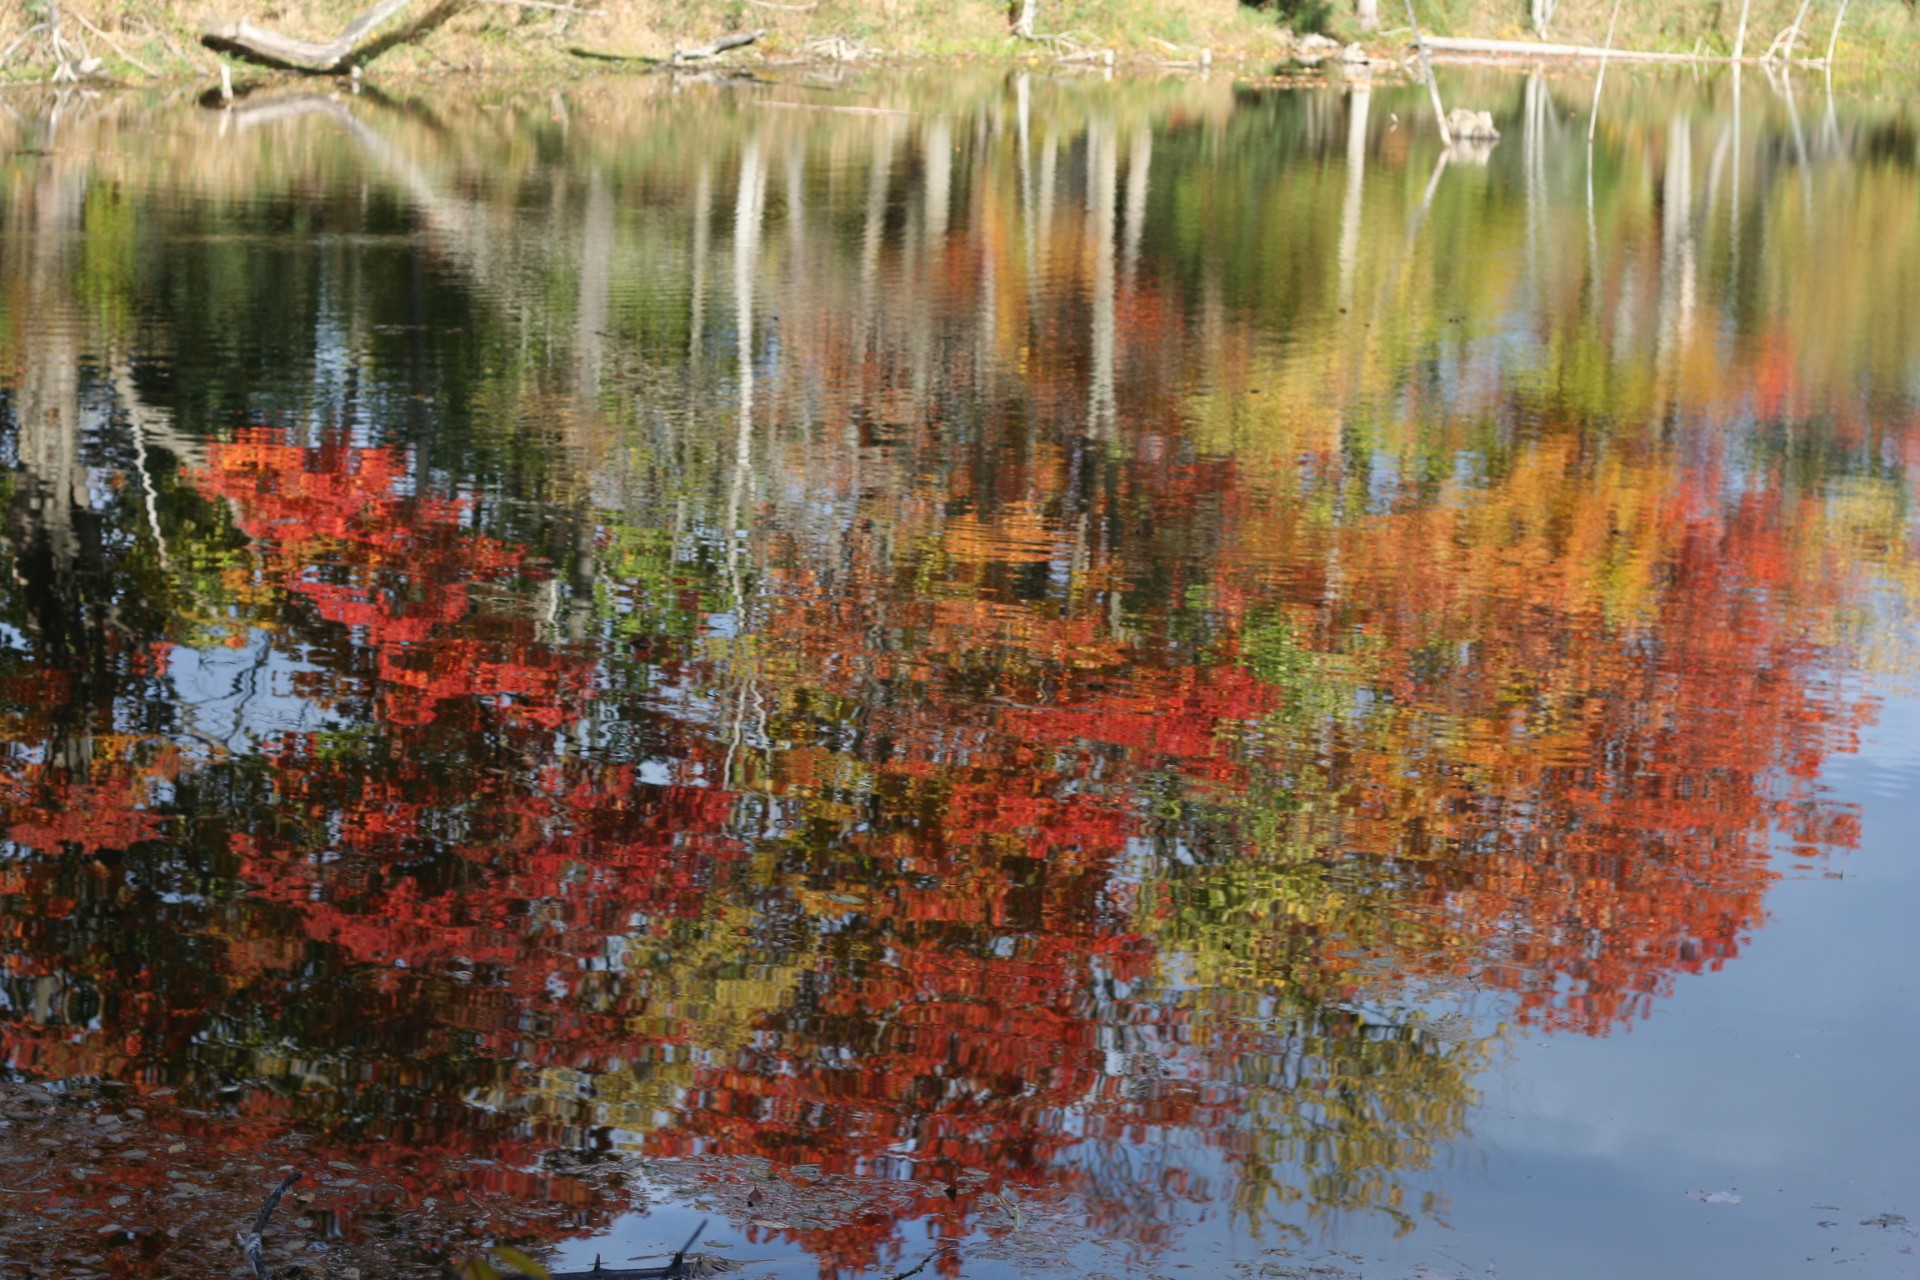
[(520, 1262)]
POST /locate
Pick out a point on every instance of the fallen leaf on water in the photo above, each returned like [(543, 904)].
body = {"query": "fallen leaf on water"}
[(520, 1262)]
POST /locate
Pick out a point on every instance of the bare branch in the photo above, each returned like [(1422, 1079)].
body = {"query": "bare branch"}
[(81, 18)]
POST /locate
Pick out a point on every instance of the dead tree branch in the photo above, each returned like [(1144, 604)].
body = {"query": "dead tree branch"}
[(261, 45), (126, 57)]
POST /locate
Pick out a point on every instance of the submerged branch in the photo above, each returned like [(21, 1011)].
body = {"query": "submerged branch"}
[(681, 1267), (251, 1242)]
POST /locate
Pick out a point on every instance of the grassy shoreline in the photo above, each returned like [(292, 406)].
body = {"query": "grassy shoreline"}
[(135, 40)]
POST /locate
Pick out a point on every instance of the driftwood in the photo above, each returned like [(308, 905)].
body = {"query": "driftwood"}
[(1471, 126), (718, 47), (261, 45), (1462, 45)]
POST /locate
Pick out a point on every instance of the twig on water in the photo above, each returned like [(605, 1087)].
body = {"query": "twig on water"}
[(250, 1242), (681, 1252), (677, 1269), (922, 1267)]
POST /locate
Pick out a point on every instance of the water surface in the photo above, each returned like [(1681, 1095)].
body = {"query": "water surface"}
[(1070, 677)]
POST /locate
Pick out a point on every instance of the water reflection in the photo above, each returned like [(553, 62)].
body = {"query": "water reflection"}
[(1001, 633)]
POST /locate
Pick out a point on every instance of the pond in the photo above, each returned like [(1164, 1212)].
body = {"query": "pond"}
[(1012, 673)]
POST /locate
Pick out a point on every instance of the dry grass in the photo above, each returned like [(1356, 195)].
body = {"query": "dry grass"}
[(1705, 27), (1880, 36), (163, 35), (148, 38)]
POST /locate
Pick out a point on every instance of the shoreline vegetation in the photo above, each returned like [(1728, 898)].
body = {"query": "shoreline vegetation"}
[(132, 41)]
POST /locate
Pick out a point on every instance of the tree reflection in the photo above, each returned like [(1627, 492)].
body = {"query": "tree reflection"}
[(954, 659)]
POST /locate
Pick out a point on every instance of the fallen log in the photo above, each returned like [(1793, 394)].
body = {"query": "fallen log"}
[(271, 47), (613, 55), (718, 47), (1464, 45)]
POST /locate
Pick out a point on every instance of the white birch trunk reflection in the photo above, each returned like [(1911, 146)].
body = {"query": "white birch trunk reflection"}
[(1103, 189), (1139, 161), (1359, 103), (596, 274), (749, 201), (1677, 257), (702, 229), (938, 145)]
